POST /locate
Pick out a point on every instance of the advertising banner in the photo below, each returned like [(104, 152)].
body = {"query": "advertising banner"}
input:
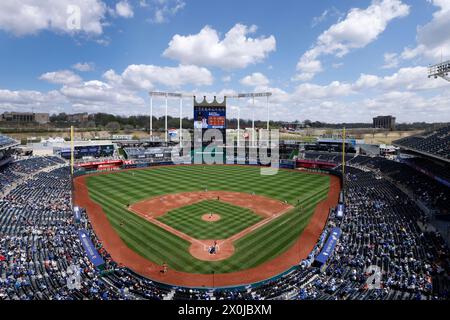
[(91, 252)]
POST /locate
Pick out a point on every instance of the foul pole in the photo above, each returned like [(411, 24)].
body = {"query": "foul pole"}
[(343, 158), (71, 150), (238, 127), (253, 121), (151, 117), (181, 118), (165, 121)]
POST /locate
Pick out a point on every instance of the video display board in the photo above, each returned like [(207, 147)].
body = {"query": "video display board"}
[(209, 117), (94, 151), (89, 151)]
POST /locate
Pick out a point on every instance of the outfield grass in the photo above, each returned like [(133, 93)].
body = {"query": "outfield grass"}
[(116, 190), (188, 219)]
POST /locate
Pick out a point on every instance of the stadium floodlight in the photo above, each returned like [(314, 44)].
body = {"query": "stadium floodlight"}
[(166, 95), (441, 70), (253, 96)]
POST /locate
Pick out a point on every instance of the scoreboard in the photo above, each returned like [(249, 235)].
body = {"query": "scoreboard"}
[(96, 151), (209, 117)]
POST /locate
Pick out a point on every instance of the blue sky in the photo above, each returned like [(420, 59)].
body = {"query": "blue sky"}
[(329, 61)]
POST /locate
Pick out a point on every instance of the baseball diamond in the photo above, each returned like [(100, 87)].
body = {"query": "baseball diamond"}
[(158, 212), (188, 219)]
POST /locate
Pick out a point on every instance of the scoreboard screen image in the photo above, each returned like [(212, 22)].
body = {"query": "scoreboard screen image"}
[(89, 151), (209, 117)]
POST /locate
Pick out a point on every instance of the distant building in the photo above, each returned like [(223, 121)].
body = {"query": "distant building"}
[(384, 122), (25, 117), (41, 118), (78, 117)]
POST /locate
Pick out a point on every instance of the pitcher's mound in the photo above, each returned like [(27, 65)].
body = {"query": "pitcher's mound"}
[(211, 217)]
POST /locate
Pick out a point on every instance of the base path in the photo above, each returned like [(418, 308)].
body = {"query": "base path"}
[(158, 206), (127, 257), (152, 208)]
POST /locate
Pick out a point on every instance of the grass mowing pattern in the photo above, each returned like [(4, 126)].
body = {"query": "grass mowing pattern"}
[(116, 190), (188, 219)]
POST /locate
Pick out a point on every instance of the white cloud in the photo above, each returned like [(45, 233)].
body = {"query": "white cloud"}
[(164, 9), (433, 39), (405, 79), (390, 60), (359, 28), (145, 77), (26, 100), (226, 78), (235, 50), (314, 91), (24, 17), (84, 66), (256, 79), (101, 94), (61, 77), (124, 9), (332, 12), (116, 93), (367, 81), (24, 97), (319, 19), (407, 93)]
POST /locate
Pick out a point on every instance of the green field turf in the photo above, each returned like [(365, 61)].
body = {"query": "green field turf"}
[(189, 220), (116, 190)]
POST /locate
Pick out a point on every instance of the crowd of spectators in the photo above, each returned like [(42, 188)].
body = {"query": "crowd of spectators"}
[(435, 142), (433, 193), (434, 168), (6, 141), (39, 244), (26, 166)]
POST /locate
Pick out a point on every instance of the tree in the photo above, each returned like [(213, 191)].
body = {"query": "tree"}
[(113, 127), (128, 128)]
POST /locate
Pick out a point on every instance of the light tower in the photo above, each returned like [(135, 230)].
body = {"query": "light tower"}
[(253, 96), (166, 95), (441, 70)]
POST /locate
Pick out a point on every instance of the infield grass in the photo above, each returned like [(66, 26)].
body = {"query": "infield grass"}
[(188, 219), (115, 191)]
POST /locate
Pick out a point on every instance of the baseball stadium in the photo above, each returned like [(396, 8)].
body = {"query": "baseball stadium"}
[(182, 182), (330, 219), (200, 225)]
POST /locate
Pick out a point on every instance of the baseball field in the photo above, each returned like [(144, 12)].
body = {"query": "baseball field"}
[(166, 213)]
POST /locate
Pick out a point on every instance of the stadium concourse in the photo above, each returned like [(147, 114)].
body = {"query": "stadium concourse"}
[(383, 232)]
